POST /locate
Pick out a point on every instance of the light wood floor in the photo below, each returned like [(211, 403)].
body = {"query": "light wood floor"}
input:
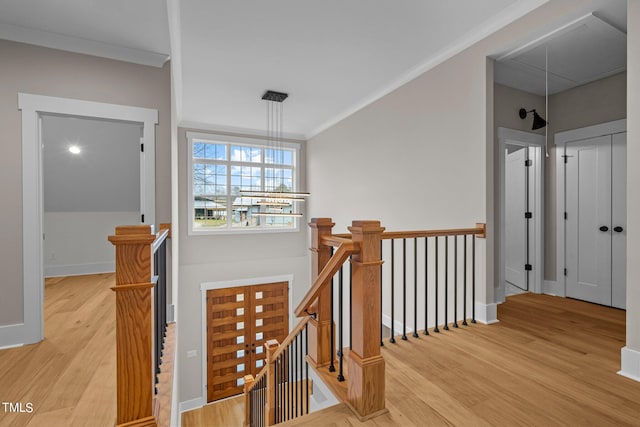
[(70, 376), (550, 361)]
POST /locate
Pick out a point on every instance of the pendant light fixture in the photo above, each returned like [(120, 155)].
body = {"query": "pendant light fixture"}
[(278, 202)]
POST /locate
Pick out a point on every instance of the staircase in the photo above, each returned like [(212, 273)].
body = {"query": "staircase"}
[(347, 307)]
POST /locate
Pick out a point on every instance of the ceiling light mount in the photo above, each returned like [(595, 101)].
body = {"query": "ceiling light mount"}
[(272, 95)]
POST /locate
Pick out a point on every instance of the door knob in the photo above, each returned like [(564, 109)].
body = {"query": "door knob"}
[(604, 228), (618, 229)]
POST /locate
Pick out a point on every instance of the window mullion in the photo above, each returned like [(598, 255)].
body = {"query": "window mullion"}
[(228, 192)]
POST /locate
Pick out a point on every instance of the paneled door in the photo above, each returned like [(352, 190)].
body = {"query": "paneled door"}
[(239, 321), (596, 219)]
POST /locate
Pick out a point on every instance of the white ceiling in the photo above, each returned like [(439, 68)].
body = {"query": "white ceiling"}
[(333, 57), (586, 49), (129, 30)]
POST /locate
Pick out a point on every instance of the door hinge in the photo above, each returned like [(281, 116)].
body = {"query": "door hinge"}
[(142, 218), (528, 215), (528, 162), (142, 148), (528, 267), (565, 215), (566, 158), (565, 271)]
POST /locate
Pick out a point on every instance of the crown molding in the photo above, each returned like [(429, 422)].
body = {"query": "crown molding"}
[(67, 43)]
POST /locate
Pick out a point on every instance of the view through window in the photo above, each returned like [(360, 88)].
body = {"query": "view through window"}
[(220, 170)]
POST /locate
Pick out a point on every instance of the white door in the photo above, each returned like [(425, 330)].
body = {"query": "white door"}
[(588, 223), (596, 171), (515, 222), (619, 220)]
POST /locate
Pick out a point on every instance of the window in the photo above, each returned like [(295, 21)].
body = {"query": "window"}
[(221, 167)]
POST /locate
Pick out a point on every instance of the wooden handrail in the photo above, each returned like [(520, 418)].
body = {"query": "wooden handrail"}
[(335, 240), (292, 335), (479, 230), (346, 248)]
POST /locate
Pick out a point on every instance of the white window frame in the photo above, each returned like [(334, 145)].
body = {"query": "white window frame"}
[(246, 141)]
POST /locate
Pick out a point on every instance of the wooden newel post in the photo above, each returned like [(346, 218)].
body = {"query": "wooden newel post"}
[(366, 388), (320, 328), (270, 411), (134, 328), (248, 381)]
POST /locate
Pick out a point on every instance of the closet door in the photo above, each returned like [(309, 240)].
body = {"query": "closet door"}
[(588, 224), (619, 220)]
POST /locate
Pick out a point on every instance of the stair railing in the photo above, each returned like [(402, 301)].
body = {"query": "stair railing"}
[(281, 391)]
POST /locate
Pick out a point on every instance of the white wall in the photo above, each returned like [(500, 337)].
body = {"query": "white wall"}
[(75, 242), (632, 363), (216, 258)]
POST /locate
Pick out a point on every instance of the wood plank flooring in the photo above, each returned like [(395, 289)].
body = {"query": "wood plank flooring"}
[(70, 376), (550, 361)]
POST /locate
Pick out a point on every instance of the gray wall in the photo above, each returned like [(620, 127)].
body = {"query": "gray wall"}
[(596, 102), (43, 71), (103, 177)]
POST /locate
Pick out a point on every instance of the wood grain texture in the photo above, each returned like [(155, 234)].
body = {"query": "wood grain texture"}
[(134, 373), (69, 376), (223, 413), (366, 384), (550, 361)]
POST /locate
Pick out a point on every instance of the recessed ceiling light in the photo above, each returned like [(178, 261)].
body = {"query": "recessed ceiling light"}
[(74, 149)]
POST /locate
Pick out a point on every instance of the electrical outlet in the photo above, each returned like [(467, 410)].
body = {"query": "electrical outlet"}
[(191, 354)]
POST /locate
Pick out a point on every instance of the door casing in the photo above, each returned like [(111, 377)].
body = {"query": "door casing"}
[(536, 203), (32, 107)]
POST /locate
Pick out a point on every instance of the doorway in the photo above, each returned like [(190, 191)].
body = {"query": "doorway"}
[(32, 108), (593, 173), (91, 184), (521, 207)]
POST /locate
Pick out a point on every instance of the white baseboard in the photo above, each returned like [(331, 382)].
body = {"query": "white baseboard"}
[(552, 287), (16, 336), (188, 405), (630, 363), (397, 325), (79, 269), (486, 313)]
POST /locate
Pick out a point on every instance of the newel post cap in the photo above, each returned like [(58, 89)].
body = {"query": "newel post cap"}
[(366, 227), (132, 235)]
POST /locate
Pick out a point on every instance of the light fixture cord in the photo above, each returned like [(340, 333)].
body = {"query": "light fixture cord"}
[(546, 100)]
